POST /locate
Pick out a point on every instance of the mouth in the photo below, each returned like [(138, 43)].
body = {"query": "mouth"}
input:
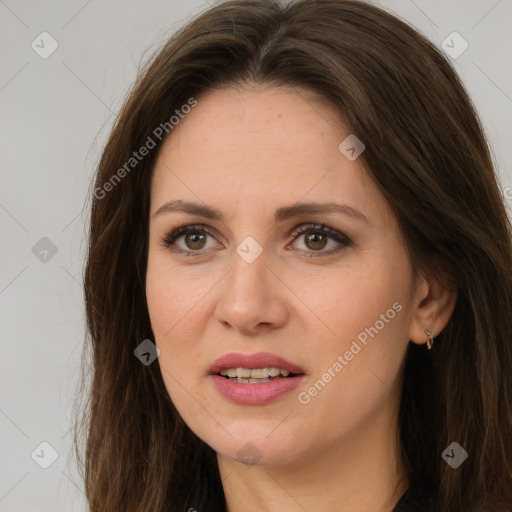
[(255, 375), (254, 379)]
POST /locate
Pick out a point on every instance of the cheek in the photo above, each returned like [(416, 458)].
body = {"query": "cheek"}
[(367, 321), (353, 301), (170, 296), (173, 324), (178, 313)]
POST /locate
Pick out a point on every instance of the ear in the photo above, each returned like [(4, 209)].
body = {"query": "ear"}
[(434, 305)]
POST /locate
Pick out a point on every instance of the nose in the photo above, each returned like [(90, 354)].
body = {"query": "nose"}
[(252, 297)]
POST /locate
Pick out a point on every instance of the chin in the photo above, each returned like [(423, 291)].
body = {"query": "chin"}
[(260, 447)]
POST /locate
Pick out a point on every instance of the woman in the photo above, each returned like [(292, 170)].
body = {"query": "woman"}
[(298, 283)]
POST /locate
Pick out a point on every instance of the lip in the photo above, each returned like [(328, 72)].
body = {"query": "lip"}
[(254, 394)]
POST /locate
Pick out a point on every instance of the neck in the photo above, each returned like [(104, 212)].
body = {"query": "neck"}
[(362, 472)]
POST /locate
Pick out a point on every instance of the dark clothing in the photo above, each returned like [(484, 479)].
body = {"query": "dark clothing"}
[(415, 500)]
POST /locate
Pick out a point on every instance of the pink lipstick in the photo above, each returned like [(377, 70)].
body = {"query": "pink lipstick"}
[(254, 379)]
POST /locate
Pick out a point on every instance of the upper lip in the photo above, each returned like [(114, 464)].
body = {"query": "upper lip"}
[(252, 361)]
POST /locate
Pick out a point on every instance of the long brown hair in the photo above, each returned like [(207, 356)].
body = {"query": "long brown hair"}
[(425, 149)]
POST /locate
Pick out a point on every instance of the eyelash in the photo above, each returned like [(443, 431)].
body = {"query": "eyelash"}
[(171, 238)]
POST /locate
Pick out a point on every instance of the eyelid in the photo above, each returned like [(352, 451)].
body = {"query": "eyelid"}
[(175, 233), (300, 229), (341, 239)]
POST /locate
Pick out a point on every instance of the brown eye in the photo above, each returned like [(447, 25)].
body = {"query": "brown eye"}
[(316, 237), (195, 241), (194, 238), (315, 241)]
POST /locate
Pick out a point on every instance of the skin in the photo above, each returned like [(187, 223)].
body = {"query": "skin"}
[(247, 152)]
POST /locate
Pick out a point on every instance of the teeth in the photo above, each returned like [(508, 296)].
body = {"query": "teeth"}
[(257, 374), (251, 381)]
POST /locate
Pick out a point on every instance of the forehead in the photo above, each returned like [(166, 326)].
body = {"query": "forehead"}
[(261, 146), (258, 119)]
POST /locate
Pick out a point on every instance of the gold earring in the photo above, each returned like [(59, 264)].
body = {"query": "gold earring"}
[(430, 339)]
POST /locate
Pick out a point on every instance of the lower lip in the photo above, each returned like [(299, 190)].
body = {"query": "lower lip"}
[(255, 394)]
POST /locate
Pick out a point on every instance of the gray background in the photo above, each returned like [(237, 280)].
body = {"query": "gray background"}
[(56, 114)]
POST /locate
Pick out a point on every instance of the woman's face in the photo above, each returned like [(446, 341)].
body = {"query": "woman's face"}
[(246, 290)]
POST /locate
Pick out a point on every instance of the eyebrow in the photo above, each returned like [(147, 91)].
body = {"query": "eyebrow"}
[(280, 215)]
